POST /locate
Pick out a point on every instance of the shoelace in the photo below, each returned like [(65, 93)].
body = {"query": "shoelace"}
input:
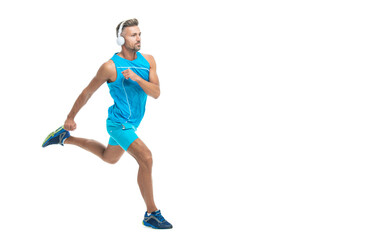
[(160, 217)]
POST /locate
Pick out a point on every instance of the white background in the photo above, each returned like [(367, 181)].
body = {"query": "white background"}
[(269, 126)]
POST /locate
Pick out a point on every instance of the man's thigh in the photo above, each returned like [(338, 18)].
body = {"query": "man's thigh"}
[(113, 153), (139, 150)]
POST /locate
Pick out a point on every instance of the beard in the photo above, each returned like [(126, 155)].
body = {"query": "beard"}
[(137, 47)]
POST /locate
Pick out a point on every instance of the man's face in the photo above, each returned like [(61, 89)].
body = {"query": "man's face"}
[(132, 37)]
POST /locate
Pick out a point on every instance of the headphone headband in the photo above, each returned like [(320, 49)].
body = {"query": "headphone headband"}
[(121, 28)]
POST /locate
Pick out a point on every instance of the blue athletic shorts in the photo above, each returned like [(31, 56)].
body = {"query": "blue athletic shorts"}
[(122, 135)]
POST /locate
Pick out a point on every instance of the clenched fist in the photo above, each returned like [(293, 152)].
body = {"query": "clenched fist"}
[(130, 74), (70, 124)]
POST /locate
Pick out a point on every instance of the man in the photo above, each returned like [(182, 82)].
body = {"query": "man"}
[(130, 76)]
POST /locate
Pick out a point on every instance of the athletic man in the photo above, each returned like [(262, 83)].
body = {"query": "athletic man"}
[(130, 76)]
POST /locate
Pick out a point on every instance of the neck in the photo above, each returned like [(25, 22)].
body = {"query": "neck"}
[(128, 54)]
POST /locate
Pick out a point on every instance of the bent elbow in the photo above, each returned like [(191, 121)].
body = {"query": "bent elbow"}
[(157, 95)]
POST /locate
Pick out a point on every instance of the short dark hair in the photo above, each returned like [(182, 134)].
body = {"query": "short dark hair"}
[(127, 23)]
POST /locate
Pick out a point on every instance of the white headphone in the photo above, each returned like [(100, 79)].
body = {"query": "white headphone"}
[(120, 40)]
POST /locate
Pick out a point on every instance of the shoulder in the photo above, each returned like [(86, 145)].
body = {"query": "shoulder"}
[(107, 70), (108, 66), (150, 59)]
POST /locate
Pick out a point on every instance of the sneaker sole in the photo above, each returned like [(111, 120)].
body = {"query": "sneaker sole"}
[(51, 135), (149, 225)]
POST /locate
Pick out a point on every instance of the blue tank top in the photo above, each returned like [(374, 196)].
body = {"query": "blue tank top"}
[(129, 98)]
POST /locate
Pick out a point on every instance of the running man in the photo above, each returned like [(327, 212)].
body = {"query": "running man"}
[(130, 76)]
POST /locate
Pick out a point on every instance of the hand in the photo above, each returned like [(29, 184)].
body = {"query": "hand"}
[(130, 74), (70, 124)]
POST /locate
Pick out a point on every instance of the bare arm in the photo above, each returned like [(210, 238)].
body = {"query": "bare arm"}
[(151, 88), (106, 72)]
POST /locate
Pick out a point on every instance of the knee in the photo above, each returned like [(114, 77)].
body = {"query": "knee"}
[(110, 160), (146, 160)]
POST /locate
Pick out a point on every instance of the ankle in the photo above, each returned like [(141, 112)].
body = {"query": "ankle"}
[(151, 210), (68, 140)]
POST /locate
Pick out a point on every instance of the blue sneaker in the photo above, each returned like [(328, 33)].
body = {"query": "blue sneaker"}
[(56, 137), (156, 220)]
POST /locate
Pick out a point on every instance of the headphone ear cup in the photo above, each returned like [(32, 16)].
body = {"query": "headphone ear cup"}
[(120, 41)]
